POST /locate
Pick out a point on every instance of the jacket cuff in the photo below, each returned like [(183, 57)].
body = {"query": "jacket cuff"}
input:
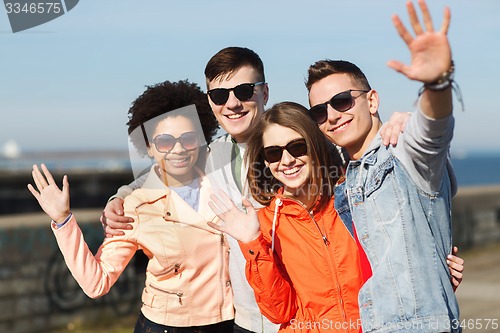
[(56, 225), (259, 247)]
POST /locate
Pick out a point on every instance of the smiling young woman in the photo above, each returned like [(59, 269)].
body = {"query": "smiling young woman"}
[(292, 172), (187, 277)]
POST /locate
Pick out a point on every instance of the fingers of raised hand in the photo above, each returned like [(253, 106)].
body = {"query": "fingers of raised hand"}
[(219, 227), (33, 191), (44, 179), (427, 19), (215, 207), (415, 22), (446, 21), (65, 184), (225, 200), (38, 178), (426, 15), (405, 35), (47, 174), (221, 202), (412, 14)]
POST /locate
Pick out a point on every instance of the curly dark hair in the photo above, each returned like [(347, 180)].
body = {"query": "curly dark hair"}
[(167, 96)]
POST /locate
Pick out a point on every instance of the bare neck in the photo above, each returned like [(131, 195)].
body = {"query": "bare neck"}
[(176, 180), (357, 150)]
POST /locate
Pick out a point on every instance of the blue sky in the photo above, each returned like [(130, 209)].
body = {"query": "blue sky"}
[(67, 84)]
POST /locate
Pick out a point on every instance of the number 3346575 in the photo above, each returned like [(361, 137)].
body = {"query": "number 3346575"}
[(33, 8)]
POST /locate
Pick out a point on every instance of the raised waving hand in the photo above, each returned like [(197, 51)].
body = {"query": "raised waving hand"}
[(54, 202), (244, 227), (430, 50)]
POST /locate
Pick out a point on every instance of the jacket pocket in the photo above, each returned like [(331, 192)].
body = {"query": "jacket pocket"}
[(377, 177), (170, 252), (152, 300), (165, 298)]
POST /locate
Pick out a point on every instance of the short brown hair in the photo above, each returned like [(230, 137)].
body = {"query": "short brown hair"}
[(325, 160), (323, 68), (225, 62)]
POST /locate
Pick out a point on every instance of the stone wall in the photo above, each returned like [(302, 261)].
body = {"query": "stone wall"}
[(476, 216), (37, 291), (38, 294), (88, 189)]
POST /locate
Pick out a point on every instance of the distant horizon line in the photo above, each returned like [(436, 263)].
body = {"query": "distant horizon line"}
[(60, 153)]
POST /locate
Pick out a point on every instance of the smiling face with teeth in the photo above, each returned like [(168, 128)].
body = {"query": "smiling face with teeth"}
[(177, 164), (236, 117), (353, 129), (292, 172)]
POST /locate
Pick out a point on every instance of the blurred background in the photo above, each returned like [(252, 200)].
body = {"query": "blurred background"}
[(66, 87)]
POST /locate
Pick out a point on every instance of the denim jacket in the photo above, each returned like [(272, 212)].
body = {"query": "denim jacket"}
[(404, 226)]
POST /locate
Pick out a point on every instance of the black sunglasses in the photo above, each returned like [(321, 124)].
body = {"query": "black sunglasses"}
[(296, 148), (243, 92), (341, 102), (165, 142)]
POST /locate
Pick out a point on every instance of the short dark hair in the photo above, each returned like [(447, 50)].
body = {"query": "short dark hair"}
[(323, 68), (164, 97), (325, 160), (225, 62)]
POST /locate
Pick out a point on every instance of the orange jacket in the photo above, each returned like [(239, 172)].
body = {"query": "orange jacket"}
[(311, 284)]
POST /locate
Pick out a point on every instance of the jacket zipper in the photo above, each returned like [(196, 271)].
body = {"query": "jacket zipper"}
[(330, 259), (323, 236), (332, 267), (177, 293), (221, 300)]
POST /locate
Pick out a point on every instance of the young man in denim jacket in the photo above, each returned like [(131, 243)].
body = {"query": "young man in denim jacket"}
[(399, 197)]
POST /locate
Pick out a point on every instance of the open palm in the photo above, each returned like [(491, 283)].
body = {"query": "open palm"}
[(53, 201), (244, 227), (430, 49)]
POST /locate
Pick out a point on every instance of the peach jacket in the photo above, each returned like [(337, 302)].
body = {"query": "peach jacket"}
[(187, 277)]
